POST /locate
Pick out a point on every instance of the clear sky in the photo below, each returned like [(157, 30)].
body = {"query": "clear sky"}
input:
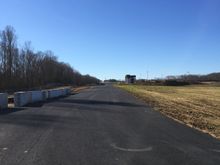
[(111, 38)]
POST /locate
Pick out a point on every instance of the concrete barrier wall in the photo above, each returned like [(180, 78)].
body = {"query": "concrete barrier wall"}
[(22, 98), (54, 93), (68, 90), (36, 96), (45, 95), (64, 92), (3, 100), (58, 92)]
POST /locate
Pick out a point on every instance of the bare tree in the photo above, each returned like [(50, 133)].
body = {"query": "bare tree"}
[(26, 69), (8, 47)]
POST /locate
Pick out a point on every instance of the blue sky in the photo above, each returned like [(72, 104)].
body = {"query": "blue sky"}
[(111, 38)]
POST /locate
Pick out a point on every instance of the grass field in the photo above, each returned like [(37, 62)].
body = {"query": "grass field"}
[(197, 106)]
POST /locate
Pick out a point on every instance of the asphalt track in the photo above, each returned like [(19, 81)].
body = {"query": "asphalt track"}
[(100, 126)]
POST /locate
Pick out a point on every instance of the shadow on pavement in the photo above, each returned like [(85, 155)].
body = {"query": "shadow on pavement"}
[(98, 102), (41, 103), (11, 110), (37, 120)]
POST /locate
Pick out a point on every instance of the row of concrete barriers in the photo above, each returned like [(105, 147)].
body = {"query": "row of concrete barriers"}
[(28, 97)]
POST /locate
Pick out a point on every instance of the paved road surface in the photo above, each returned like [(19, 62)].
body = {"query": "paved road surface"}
[(100, 126)]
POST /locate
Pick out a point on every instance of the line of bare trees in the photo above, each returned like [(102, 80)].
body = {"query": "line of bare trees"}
[(25, 69), (193, 78)]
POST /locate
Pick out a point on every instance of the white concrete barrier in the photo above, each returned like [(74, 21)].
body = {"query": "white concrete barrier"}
[(68, 90), (22, 98), (54, 93), (3, 100), (58, 92), (64, 92), (45, 95), (36, 96)]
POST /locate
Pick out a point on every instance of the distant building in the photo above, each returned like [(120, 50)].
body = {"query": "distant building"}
[(130, 79)]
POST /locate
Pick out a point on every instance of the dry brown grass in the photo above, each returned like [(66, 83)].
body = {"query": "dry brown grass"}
[(197, 106)]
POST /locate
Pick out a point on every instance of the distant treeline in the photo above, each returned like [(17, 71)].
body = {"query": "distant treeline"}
[(182, 80), (22, 68), (196, 78), (111, 80)]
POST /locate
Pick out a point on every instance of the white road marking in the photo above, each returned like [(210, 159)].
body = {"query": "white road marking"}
[(132, 150), (4, 149), (25, 151)]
